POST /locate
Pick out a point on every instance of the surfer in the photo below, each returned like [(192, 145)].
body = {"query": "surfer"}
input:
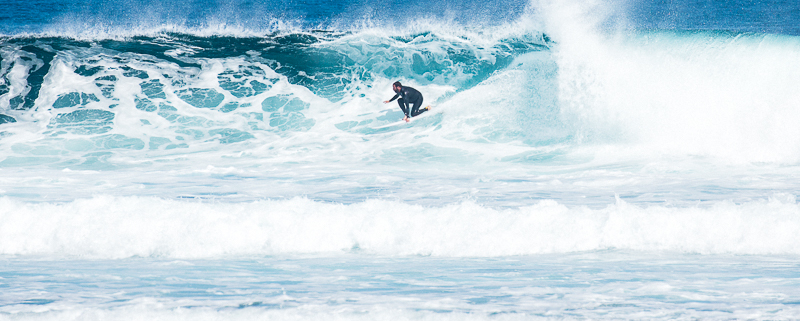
[(410, 101)]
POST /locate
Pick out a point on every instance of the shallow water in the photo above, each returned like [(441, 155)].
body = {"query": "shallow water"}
[(605, 284)]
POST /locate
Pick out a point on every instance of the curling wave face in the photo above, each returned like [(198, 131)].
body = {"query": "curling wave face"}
[(89, 104), (69, 102)]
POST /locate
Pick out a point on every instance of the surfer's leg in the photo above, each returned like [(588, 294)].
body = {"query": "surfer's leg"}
[(416, 111), (402, 104)]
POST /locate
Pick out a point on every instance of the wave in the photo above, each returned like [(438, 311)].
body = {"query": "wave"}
[(180, 91), (122, 227), (527, 95)]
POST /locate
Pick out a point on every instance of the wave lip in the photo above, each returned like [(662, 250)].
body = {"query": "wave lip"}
[(123, 227), (114, 18)]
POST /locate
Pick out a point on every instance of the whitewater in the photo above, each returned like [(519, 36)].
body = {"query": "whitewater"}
[(582, 160)]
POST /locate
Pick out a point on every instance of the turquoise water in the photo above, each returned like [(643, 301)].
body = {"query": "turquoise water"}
[(205, 160)]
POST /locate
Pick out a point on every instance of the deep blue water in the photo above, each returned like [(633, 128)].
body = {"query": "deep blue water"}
[(777, 17), (259, 16)]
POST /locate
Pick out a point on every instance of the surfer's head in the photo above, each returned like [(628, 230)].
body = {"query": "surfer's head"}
[(396, 86)]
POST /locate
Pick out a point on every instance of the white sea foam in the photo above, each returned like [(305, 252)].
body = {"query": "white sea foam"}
[(121, 227), (711, 94)]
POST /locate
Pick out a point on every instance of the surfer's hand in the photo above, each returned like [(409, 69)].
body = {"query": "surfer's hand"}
[(385, 101)]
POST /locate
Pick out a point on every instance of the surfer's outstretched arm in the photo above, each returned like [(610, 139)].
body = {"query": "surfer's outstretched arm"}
[(391, 100)]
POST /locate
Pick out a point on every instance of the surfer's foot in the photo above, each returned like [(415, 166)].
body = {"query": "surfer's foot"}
[(407, 119)]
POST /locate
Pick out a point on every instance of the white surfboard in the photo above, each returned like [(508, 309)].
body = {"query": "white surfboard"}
[(413, 119)]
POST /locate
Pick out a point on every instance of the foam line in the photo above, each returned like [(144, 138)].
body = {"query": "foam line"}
[(122, 227)]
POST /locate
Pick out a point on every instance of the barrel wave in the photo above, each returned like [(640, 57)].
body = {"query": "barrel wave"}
[(178, 91), (80, 104)]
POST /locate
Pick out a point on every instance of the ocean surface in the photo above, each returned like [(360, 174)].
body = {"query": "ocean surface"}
[(234, 160)]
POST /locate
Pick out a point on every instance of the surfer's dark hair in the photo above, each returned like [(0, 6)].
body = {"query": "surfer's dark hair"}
[(397, 83)]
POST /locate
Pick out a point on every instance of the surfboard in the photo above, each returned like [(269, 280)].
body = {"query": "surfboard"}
[(413, 119)]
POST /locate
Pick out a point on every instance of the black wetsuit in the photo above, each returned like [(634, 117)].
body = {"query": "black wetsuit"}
[(410, 98)]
